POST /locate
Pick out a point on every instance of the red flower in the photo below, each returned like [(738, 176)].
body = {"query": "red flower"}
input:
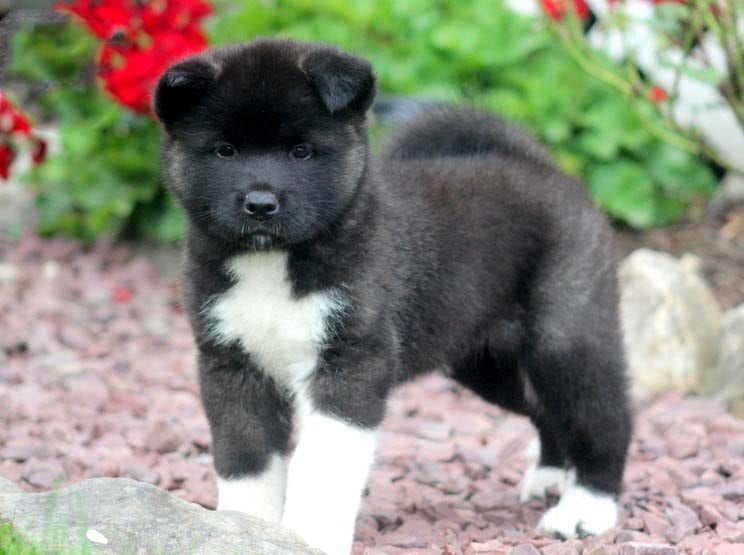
[(19, 124), (130, 73), (144, 37), (657, 95), (556, 9), (38, 154), (103, 17), (122, 294), (7, 154), (14, 125), (11, 120)]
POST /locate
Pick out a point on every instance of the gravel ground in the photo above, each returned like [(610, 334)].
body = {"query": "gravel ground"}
[(97, 379)]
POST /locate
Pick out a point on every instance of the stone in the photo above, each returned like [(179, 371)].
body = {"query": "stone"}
[(122, 516), (655, 524), (729, 193), (731, 532), (525, 549), (671, 323), (710, 516), (698, 543), (572, 547), (733, 491), (23, 452), (729, 549), (44, 475), (637, 548), (492, 499), (725, 379), (491, 547), (163, 437), (684, 522), (6, 486)]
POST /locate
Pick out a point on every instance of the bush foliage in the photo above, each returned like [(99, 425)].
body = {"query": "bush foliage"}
[(107, 177)]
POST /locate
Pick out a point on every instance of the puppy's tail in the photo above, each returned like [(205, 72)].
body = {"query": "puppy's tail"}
[(441, 131)]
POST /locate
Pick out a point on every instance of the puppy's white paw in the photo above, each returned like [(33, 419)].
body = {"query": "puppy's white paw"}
[(537, 479), (580, 511)]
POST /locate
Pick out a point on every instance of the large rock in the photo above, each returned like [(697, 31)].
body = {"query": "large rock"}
[(671, 322), (119, 515), (726, 379)]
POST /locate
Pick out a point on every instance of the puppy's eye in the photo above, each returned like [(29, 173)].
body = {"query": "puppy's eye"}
[(301, 152), (225, 151)]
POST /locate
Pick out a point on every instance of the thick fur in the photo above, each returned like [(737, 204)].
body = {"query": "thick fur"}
[(461, 247)]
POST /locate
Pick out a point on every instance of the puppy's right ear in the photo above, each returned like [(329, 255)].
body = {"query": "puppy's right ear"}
[(181, 89), (345, 83)]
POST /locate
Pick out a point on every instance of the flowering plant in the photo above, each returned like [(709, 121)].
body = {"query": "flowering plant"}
[(701, 40), (96, 78), (15, 128), (141, 39), (97, 74)]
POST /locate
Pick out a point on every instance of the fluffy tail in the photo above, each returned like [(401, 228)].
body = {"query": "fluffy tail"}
[(440, 131)]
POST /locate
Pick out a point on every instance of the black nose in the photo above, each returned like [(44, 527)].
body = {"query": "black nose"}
[(261, 205)]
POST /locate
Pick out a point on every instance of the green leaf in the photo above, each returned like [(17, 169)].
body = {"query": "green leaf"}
[(625, 191)]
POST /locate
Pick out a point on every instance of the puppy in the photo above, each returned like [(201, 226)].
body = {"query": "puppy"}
[(319, 277)]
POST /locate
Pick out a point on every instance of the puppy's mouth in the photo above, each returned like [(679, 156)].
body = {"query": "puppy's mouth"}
[(262, 236), (261, 240)]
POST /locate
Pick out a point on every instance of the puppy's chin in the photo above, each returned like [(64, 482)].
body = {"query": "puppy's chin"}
[(240, 237), (262, 241)]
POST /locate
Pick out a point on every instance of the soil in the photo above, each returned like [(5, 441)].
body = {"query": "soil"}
[(97, 378)]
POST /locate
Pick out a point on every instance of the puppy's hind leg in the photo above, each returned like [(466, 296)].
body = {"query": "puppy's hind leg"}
[(493, 372), (579, 380), (551, 468)]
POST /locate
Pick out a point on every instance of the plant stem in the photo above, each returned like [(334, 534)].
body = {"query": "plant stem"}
[(574, 42)]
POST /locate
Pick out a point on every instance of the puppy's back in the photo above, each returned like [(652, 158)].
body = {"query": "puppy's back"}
[(447, 131)]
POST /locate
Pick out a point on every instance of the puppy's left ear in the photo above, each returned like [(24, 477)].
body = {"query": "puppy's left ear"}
[(181, 89), (345, 83)]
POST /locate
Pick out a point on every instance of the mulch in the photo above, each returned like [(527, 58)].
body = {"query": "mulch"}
[(97, 378)]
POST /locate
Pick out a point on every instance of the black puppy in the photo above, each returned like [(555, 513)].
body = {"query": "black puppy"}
[(319, 277)]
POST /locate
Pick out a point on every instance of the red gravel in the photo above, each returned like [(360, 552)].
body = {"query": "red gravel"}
[(97, 379)]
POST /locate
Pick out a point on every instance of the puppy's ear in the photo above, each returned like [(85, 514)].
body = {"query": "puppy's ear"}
[(345, 83), (181, 88)]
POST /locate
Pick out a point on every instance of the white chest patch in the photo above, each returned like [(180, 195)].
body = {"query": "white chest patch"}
[(283, 334)]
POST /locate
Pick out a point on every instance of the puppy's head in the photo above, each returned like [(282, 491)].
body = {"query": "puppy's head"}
[(265, 142)]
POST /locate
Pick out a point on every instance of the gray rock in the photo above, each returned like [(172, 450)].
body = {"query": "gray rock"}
[(725, 380), (671, 322), (730, 193), (6, 486), (122, 516)]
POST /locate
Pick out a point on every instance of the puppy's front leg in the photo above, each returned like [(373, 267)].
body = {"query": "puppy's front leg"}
[(338, 417), (250, 422), (327, 474)]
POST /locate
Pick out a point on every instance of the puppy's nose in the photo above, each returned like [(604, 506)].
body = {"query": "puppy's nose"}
[(261, 205)]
